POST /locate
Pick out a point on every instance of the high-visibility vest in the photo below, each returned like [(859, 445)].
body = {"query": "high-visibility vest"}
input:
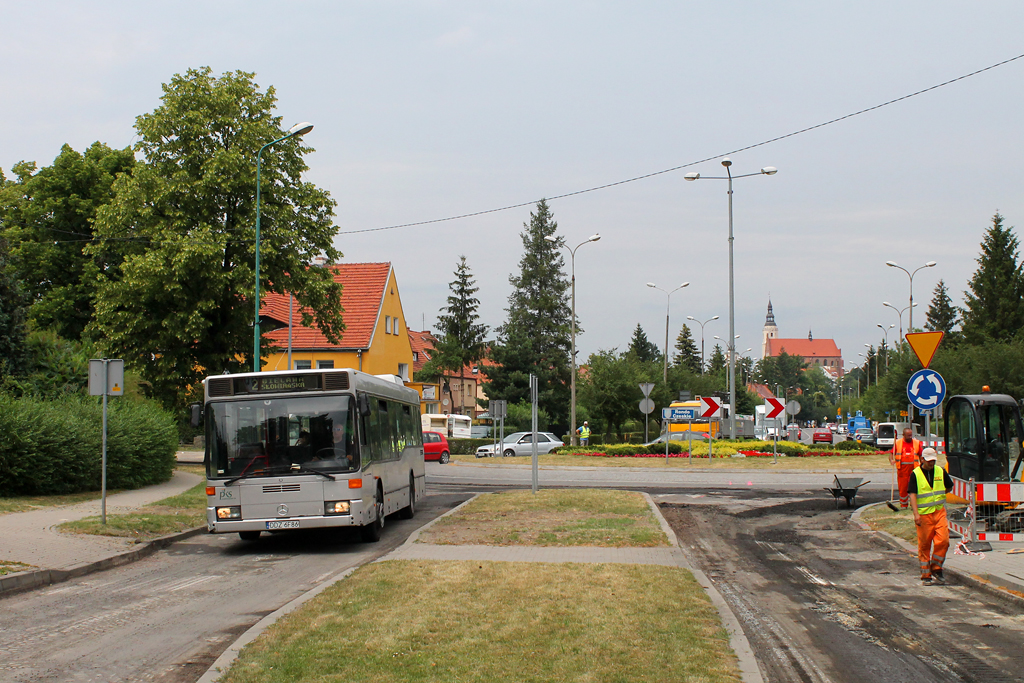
[(584, 432), (930, 498), (907, 455)]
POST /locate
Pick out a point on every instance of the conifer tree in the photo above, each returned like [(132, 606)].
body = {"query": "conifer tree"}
[(992, 306), (536, 336), (717, 361), (642, 348), (942, 314), (687, 353), (461, 338)]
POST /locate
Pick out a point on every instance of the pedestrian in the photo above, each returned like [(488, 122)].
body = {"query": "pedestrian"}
[(928, 489), (584, 433), (909, 450)]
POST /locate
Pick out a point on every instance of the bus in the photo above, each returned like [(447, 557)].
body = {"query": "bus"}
[(305, 449), (452, 426)]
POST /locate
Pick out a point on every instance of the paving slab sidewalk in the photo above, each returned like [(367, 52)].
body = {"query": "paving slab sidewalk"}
[(998, 571), (32, 538)]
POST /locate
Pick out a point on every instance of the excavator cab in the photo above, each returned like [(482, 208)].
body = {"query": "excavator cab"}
[(983, 437)]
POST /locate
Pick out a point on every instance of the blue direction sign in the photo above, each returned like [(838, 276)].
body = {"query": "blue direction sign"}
[(926, 389), (679, 413)]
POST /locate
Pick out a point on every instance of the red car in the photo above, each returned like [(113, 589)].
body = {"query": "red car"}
[(435, 447), (822, 435)]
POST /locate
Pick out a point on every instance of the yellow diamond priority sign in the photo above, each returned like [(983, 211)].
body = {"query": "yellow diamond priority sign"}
[(924, 345)]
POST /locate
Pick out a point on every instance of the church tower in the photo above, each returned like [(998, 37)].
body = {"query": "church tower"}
[(771, 330)]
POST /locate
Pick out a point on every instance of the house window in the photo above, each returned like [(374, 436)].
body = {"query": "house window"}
[(387, 324), (403, 371), (416, 356), (394, 325), (325, 365), (303, 364)]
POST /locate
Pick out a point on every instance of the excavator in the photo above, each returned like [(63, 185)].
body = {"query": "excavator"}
[(983, 439)]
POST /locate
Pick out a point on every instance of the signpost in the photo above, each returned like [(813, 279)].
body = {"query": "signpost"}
[(533, 424), (774, 407), (106, 378), (646, 405), (926, 388), (498, 409)]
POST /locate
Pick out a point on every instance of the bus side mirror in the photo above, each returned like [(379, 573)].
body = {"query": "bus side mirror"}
[(197, 415), (363, 403)]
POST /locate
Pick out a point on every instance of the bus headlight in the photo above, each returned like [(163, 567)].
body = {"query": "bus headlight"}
[(336, 507), (229, 513)]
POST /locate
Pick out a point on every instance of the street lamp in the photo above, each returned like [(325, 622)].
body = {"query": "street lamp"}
[(899, 312), (298, 130), (869, 347), (767, 170), (702, 324), (668, 299), (557, 241), (867, 362), (892, 264), (744, 355), (885, 331)]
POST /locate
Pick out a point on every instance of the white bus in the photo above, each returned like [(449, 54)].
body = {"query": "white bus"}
[(452, 426), (309, 448)]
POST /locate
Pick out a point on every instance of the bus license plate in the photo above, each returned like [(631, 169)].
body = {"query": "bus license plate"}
[(291, 524)]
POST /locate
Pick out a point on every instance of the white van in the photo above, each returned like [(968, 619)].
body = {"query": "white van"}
[(887, 433)]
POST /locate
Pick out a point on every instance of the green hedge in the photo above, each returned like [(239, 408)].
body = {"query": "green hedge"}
[(55, 447), (467, 446), (853, 446)]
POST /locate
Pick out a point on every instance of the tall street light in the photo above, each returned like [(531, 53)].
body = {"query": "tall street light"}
[(892, 264), (572, 259), (767, 170), (870, 348), (867, 362), (668, 300), (899, 312), (298, 130), (885, 331), (702, 324)]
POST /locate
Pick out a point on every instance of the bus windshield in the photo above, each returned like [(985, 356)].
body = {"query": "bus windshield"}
[(279, 436)]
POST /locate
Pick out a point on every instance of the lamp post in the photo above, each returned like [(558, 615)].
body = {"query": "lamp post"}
[(885, 331), (557, 241), (869, 347), (744, 355), (867, 362), (892, 264), (298, 130), (767, 170), (702, 324), (899, 312), (668, 300)]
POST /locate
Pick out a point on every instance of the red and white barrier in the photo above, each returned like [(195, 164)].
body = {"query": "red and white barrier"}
[(990, 492)]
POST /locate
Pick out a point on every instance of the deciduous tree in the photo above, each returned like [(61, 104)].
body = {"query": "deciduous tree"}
[(179, 234)]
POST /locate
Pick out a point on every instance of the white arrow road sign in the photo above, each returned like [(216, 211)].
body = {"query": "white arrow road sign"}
[(709, 407)]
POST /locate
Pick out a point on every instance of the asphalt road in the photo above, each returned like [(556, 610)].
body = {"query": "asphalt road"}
[(168, 617), (820, 601)]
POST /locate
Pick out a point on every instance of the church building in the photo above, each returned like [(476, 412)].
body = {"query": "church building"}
[(822, 353)]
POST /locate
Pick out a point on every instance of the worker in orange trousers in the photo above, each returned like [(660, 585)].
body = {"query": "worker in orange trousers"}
[(905, 454), (928, 489)]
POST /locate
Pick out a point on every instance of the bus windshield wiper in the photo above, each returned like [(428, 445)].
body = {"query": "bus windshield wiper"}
[(301, 470)]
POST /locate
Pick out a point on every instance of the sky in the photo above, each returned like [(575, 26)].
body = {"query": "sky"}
[(425, 110)]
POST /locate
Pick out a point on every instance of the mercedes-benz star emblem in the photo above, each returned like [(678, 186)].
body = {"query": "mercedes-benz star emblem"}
[(282, 510)]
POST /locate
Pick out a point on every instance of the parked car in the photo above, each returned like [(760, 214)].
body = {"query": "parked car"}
[(865, 435), (841, 429), (823, 435), (435, 447), (521, 443)]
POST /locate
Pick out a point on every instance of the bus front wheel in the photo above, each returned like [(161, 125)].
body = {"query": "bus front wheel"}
[(372, 531)]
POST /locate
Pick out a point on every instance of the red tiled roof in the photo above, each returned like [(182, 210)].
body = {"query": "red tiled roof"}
[(761, 390), (422, 344), (363, 286), (807, 348)]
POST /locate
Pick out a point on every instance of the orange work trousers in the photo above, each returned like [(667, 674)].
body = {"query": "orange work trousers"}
[(932, 542), (903, 474)]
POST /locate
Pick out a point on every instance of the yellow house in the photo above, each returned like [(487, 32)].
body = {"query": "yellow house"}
[(375, 340)]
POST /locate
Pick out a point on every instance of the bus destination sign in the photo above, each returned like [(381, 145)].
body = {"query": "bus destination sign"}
[(272, 384)]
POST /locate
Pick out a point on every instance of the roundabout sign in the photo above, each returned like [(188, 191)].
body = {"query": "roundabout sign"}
[(926, 389)]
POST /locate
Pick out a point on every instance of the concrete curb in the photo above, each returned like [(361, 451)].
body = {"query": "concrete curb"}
[(749, 671), (227, 658), (997, 587), (45, 577)]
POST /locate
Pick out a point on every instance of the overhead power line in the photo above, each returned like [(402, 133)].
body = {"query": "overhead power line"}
[(691, 163)]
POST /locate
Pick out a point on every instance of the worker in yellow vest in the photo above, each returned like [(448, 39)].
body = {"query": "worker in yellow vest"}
[(584, 434), (904, 456), (928, 488)]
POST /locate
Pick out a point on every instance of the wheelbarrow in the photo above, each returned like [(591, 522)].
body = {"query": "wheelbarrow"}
[(845, 487)]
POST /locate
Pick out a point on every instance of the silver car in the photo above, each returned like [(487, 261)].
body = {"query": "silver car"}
[(521, 443)]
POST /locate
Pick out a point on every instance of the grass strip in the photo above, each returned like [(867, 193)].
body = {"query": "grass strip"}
[(28, 503), (496, 622), (899, 524), (825, 463), (552, 517), (11, 567), (168, 516)]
